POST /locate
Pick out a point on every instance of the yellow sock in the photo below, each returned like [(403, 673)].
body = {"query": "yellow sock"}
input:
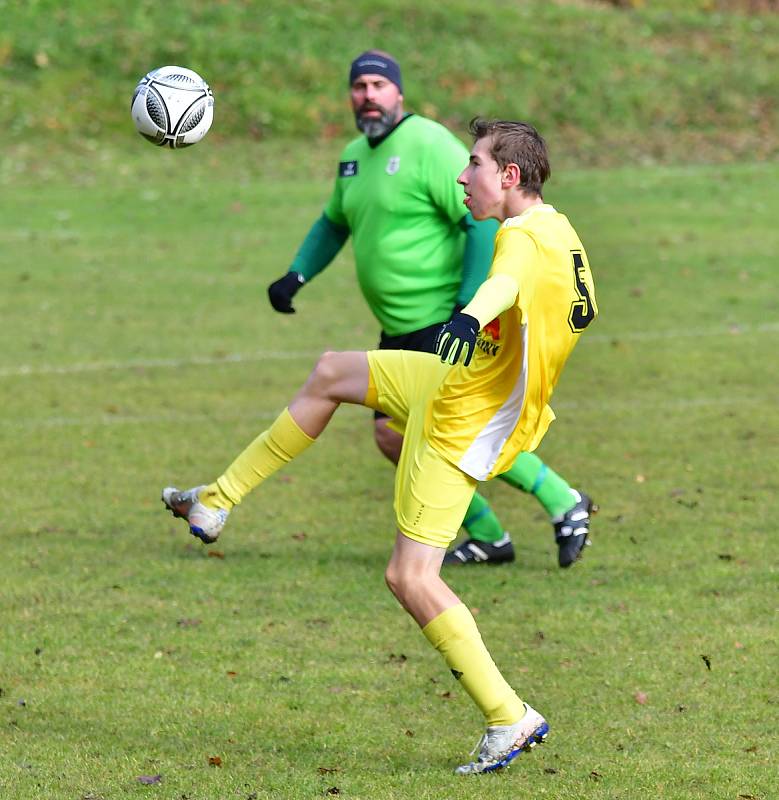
[(270, 451), (455, 635)]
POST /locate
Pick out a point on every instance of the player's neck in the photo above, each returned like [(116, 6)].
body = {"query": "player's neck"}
[(517, 202)]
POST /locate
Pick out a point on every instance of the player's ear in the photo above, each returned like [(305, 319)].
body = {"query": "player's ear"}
[(511, 176)]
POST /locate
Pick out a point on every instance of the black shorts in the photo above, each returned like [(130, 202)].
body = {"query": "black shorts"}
[(423, 341)]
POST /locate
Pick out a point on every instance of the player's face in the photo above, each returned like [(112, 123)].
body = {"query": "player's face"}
[(482, 181), (377, 104)]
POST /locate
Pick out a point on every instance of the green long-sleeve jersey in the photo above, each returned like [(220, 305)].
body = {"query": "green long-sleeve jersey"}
[(400, 201)]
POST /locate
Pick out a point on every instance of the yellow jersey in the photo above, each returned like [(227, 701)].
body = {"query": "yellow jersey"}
[(485, 414)]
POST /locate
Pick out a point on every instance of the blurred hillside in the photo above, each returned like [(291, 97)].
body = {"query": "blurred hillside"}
[(607, 81)]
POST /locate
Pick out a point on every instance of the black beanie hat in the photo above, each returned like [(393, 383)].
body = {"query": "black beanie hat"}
[(373, 62)]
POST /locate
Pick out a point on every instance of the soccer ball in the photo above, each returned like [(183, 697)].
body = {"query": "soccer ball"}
[(173, 106)]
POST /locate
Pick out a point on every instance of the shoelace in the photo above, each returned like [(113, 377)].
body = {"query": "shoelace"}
[(479, 745)]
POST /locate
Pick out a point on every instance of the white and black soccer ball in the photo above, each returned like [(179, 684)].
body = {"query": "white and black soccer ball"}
[(172, 106)]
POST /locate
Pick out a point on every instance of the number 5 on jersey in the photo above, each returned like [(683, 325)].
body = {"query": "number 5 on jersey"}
[(583, 310)]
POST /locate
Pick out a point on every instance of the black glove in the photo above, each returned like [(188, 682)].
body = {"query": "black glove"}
[(457, 339), (281, 292)]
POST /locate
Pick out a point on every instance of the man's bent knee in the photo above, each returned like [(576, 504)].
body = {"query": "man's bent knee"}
[(340, 376), (327, 369), (405, 581)]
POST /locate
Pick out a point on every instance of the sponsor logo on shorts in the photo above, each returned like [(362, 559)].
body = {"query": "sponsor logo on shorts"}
[(488, 338), (487, 346), (493, 329)]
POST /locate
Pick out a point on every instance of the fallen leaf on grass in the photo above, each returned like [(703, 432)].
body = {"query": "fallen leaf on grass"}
[(595, 775), (326, 770), (214, 761), (332, 791), (300, 537), (148, 780), (231, 674), (446, 695), (706, 661), (640, 698), (400, 658), (409, 733), (550, 771), (188, 622), (215, 554), (751, 749)]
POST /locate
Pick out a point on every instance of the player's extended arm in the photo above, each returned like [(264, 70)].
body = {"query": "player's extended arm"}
[(457, 338), (479, 245), (321, 245)]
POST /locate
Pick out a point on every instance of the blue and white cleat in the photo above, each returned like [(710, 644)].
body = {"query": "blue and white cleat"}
[(204, 523), (501, 744)]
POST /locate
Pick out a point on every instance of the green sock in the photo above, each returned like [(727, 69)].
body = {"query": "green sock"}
[(530, 474), (480, 521)]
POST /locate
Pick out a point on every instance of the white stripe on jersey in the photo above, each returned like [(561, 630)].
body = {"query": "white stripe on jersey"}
[(479, 459)]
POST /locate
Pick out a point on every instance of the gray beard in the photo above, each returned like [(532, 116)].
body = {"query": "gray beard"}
[(376, 128)]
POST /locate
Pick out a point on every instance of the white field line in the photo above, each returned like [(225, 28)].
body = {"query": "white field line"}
[(627, 406), (24, 370), (156, 363)]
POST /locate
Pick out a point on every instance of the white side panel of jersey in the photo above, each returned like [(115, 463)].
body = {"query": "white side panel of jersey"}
[(479, 459)]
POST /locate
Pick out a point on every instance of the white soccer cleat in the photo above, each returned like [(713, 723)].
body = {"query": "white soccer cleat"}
[(204, 523), (501, 744)]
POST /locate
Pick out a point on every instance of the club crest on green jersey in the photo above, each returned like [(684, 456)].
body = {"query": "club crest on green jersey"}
[(393, 165)]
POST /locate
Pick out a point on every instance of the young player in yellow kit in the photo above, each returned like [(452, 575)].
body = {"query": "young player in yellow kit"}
[(467, 415)]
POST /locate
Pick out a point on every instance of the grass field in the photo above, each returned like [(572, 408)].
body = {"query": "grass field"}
[(138, 349), (677, 80)]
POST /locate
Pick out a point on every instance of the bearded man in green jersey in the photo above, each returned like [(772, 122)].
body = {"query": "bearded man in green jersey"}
[(418, 259)]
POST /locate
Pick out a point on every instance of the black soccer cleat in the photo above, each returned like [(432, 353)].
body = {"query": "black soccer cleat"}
[(472, 551), (572, 529)]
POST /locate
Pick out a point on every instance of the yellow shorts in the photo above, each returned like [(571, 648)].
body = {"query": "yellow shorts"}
[(431, 494)]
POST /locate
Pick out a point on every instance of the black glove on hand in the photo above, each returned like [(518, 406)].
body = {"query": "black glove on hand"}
[(281, 292), (457, 339)]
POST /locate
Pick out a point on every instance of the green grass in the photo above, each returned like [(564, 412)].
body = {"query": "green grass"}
[(666, 81), (139, 349)]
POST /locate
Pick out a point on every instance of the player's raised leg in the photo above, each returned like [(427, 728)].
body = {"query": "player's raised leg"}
[(337, 378)]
